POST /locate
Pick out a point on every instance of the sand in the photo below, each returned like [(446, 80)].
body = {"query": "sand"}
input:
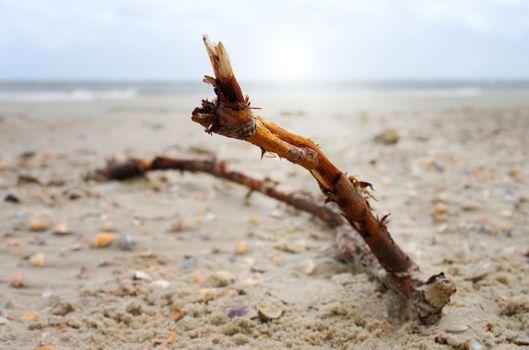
[(209, 270)]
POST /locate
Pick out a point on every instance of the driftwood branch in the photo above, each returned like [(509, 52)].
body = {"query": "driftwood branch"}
[(230, 115), (137, 167), (350, 245)]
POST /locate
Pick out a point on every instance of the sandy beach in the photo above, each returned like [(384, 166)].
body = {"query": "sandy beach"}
[(189, 262)]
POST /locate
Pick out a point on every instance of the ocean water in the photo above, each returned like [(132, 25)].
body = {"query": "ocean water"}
[(43, 91)]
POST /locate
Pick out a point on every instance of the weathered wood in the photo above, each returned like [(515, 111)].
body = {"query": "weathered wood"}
[(230, 115)]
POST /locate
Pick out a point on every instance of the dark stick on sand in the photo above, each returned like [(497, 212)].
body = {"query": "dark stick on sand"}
[(350, 244), (137, 167)]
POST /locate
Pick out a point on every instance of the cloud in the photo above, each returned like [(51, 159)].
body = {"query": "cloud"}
[(344, 38)]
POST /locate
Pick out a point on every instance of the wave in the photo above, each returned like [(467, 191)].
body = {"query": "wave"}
[(68, 95), (39, 91)]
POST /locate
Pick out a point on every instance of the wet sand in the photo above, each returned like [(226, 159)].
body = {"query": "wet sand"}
[(193, 265)]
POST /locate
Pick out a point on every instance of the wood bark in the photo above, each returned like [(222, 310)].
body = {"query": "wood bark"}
[(231, 115)]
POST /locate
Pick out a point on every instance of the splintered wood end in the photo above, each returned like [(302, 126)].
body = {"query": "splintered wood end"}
[(219, 59), (226, 86)]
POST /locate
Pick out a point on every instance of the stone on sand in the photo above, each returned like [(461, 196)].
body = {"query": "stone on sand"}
[(37, 260), (103, 239), (219, 279), (387, 137)]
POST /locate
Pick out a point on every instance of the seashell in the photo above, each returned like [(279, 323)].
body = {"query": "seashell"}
[(269, 310), (456, 328), (140, 275), (103, 239), (37, 260), (241, 248), (37, 225), (219, 279), (126, 242), (61, 229)]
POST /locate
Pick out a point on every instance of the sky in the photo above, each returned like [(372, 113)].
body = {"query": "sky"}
[(267, 40)]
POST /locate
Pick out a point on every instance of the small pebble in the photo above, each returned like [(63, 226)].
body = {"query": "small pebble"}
[(292, 247), (140, 275), (37, 225), (29, 316), (204, 235), (387, 137), (27, 179), (307, 266), (102, 263), (219, 279), (28, 154), (474, 345), (108, 226), (209, 217), (61, 309), (468, 206), (430, 161), (258, 268), (37, 260), (440, 208), (269, 310), (241, 248), (506, 214), (479, 271), (442, 228), (61, 229), (11, 198), (176, 315), (103, 239), (277, 214), (516, 173), (18, 281), (171, 337), (75, 247), (197, 278), (189, 263), (439, 217), (278, 260), (3, 321), (255, 221), (13, 242), (440, 197), (46, 294), (47, 346), (456, 328), (236, 310), (177, 225), (126, 242), (162, 284), (134, 308)]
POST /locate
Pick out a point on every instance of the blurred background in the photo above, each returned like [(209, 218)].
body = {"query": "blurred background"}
[(119, 49)]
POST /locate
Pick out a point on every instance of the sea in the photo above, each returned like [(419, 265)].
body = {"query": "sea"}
[(49, 91)]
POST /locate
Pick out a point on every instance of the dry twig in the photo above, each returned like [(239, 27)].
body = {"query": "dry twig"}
[(230, 115), (350, 246), (137, 167)]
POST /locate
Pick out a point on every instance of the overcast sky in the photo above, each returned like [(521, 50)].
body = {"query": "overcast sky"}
[(267, 40)]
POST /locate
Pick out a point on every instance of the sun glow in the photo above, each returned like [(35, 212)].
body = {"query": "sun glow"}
[(290, 61)]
